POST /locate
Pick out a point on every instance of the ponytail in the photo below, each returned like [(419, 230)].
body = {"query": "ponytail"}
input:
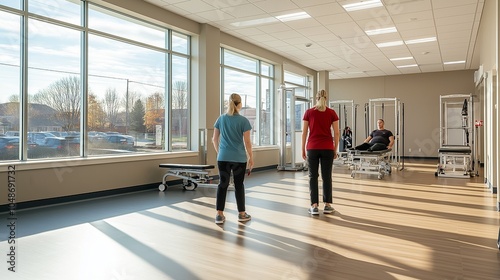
[(321, 99), (234, 101)]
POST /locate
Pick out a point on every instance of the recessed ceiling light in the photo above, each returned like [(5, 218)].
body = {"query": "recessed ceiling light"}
[(401, 58), (294, 16), (254, 22), (407, 66), (381, 31), (422, 40), (454, 62), (362, 5), (390, 44)]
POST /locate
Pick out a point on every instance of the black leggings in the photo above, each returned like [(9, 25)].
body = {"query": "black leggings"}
[(315, 158), (225, 168), (371, 147)]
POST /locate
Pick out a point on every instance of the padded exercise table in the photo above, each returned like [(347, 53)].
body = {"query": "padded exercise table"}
[(370, 162), (455, 161), (191, 174)]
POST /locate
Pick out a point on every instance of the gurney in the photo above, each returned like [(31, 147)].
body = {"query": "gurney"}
[(370, 162), (192, 175), (455, 161)]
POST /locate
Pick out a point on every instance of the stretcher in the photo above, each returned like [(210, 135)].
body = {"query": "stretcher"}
[(192, 175), (455, 161), (370, 162)]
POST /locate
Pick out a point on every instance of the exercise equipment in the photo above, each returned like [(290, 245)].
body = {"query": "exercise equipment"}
[(370, 162), (346, 111), (391, 110), (457, 142), (292, 108), (192, 175)]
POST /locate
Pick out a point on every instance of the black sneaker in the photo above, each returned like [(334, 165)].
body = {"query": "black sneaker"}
[(328, 209), (244, 217), (313, 211)]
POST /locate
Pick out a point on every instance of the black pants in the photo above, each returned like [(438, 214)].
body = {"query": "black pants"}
[(225, 168), (371, 147), (314, 159)]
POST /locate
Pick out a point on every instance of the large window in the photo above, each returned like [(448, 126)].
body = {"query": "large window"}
[(124, 79), (10, 80), (253, 80), (301, 86)]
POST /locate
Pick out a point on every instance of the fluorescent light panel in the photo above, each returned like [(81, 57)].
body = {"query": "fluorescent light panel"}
[(362, 5), (283, 18), (390, 44), (254, 22), (401, 58), (381, 31), (454, 62), (407, 66), (294, 16), (422, 40)]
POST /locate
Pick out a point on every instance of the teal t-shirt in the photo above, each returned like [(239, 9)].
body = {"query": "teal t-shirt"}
[(232, 146)]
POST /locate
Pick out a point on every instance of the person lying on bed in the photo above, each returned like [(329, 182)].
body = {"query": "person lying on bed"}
[(378, 140)]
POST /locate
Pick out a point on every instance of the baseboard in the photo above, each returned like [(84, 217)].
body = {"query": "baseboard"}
[(4, 208), (72, 198)]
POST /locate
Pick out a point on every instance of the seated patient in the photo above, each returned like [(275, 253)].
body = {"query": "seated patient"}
[(379, 139)]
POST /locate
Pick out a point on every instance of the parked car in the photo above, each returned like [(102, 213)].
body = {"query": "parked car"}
[(39, 137), (59, 146), (59, 133), (12, 133), (121, 139), (96, 136), (4, 140), (9, 147)]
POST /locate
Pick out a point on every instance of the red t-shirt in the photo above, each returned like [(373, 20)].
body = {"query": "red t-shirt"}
[(320, 132)]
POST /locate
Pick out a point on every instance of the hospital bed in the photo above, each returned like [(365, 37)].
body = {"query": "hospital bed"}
[(455, 161), (370, 162), (192, 175)]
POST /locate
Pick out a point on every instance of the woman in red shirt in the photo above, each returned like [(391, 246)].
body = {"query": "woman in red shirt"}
[(319, 147)]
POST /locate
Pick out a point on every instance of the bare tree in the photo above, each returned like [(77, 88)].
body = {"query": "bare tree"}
[(111, 106), (64, 97)]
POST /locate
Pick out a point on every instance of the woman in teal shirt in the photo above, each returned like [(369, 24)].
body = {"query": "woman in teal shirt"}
[(232, 143)]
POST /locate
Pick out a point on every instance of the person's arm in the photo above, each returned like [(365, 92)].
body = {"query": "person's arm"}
[(248, 147), (336, 137), (305, 129), (367, 140), (391, 142), (216, 139)]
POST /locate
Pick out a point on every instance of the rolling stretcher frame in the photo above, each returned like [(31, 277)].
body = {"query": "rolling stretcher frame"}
[(456, 160), (370, 162), (192, 175)]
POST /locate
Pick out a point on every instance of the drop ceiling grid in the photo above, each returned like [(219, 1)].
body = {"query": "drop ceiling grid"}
[(337, 34)]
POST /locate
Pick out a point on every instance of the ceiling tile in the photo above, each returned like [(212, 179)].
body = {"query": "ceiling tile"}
[(338, 40), (329, 9), (398, 7), (277, 6)]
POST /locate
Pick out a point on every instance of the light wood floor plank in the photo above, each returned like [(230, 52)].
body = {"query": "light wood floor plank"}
[(409, 225)]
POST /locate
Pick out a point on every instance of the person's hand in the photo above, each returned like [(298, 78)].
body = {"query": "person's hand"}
[(250, 164), (304, 156), (335, 155)]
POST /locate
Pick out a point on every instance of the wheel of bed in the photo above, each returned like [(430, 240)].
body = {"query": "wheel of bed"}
[(190, 186), (162, 187)]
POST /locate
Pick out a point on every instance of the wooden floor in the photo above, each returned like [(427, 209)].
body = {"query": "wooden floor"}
[(409, 225)]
